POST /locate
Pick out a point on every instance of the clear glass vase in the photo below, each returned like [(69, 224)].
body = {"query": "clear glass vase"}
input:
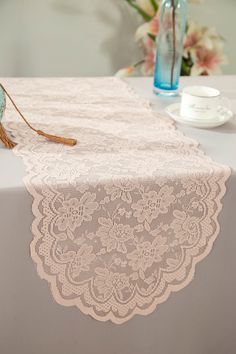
[(173, 18)]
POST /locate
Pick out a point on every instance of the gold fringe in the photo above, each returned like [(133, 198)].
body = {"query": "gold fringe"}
[(5, 139)]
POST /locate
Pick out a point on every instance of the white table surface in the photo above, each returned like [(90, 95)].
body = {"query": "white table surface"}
[(200, 319), (219, 143)]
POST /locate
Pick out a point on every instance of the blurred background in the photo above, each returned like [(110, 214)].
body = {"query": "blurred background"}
[(87, 37)]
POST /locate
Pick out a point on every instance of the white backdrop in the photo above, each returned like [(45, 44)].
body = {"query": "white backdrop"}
[(86, 37)]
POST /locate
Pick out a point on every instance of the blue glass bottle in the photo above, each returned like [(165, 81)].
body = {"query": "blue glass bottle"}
[(173, 18)]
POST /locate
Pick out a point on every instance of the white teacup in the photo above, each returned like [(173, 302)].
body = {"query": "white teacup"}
[(201, 102)]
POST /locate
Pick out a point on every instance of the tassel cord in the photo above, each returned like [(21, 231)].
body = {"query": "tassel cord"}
[(17, 109), (55, 139)]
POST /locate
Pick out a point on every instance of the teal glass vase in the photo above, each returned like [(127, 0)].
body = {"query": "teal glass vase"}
[(173, 19)]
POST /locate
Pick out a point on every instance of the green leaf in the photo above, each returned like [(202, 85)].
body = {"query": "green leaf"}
[(144, 15), (152, 36), (187, 64), (187, 28), (154, 4), (140, 62), (185, 68)]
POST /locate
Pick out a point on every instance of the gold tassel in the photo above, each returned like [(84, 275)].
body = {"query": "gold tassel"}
[(5, 139), (58, 139), (53, 138)]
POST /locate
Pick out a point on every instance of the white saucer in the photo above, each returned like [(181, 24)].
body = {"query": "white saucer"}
[(223, 116)]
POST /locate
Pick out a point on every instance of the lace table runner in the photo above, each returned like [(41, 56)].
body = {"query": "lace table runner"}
[(121, 219)]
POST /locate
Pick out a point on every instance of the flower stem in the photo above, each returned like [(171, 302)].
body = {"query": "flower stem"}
[(145, 16), (174, 42), (139, 63)]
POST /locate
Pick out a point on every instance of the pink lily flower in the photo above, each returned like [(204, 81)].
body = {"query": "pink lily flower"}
[(207, 61)]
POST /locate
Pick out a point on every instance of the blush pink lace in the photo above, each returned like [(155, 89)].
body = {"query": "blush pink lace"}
[(121, 219)]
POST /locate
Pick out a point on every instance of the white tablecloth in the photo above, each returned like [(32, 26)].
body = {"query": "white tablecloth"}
[(201, 319)]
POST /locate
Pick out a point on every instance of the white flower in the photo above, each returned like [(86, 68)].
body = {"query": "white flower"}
[(186, 228), (146, 253), (121, 189), (194, 185), (74, 211), (107, 282), (114, 236), (152, 204), (83, 258)]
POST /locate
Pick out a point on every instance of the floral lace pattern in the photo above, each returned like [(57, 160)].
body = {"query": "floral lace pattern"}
[(121, 219)]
